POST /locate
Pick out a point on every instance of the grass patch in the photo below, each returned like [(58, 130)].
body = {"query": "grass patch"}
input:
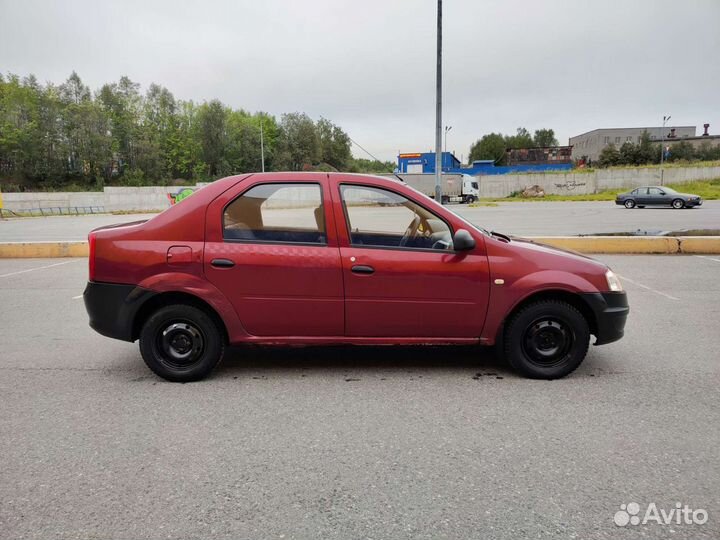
[(707, 189), (483, 203)]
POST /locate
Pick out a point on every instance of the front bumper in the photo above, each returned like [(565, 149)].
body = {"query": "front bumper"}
[(611, 310), (112, 308), (694, 203)]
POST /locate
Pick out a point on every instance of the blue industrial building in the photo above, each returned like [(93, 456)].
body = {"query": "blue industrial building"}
[(424, 163)]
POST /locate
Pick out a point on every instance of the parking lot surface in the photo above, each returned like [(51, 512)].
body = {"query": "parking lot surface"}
[(360, 442), (519, 218)]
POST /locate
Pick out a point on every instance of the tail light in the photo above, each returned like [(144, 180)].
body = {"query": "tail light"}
[(91, 256)]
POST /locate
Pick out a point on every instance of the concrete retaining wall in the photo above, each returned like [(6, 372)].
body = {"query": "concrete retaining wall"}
[(111, 199), (587, 183)]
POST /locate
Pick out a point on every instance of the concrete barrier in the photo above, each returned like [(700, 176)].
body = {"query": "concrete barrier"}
[(661, 245), (614, 244)]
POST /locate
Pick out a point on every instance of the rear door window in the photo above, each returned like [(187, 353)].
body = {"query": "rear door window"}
[(284, 213)]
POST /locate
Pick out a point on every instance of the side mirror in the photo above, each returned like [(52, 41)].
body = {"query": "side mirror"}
[(463, 241)]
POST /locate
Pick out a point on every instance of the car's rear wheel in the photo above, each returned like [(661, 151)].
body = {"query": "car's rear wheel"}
[(547, 339), (677, 204), (181, 343), (629, 204)]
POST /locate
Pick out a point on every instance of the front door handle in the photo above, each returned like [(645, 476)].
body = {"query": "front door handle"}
[(362, 269), (222, 263)]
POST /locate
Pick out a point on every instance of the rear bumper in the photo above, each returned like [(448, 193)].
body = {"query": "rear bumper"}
[(611, 310), (112, 308)]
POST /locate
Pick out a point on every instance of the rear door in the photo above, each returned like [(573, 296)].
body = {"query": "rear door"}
[(402, 278), (271, 248), (642, 197)]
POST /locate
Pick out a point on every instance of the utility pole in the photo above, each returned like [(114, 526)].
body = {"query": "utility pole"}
[(662, 150), (438, 107), (262, 145)]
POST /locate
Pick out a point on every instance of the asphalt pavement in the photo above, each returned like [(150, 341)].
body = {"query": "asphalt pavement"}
[(357, 442), (519, 218)]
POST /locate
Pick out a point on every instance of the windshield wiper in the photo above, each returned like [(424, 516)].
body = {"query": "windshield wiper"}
[(501, 235)]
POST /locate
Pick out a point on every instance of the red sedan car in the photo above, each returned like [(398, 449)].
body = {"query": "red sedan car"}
[(317, 258)]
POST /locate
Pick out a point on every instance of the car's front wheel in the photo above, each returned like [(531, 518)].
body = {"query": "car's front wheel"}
[(181, 343), (629, 204), (677, 204), (547, 339)]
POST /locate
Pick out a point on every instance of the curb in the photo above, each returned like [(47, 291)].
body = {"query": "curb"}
[(698, 245), (42, 250)]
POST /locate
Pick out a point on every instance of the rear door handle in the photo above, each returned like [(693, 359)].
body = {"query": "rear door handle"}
[(362, 269), (222, 263)]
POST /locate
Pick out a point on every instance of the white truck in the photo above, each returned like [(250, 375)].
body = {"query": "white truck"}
[(461, 188)]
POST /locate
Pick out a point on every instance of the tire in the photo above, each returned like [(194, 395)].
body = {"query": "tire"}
[(640, 206), (444, 199), (629, 204), (547, 339), (181, 343), (678, 204), (470, 199)]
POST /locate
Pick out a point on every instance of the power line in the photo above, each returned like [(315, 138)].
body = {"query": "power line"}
[(361, 148)]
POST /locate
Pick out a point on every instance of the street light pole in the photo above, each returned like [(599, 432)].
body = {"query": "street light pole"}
[(262, 146), (447, 128), (662, 149), (438, 107)]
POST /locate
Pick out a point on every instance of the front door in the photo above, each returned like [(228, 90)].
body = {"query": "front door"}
[(402, 278), (277, 261), (658, 197)]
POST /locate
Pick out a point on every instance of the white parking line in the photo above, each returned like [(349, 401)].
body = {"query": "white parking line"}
[(648, 288), (708, 258), (36, 268)]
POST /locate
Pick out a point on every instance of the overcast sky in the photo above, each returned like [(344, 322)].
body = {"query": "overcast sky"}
[(369, 65)]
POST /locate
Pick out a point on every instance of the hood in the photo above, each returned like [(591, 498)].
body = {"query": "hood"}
[(539, 247)]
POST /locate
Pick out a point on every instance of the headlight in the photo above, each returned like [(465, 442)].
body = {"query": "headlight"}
[(613, 281)]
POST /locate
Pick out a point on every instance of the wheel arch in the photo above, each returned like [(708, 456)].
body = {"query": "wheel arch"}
[(574, 299), (163, 299)]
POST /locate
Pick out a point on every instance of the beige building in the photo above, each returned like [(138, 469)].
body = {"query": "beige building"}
[(590, 144)]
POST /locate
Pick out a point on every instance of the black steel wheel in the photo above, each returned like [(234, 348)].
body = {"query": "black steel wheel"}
[(629, 204), (181, 343), (547, 339)]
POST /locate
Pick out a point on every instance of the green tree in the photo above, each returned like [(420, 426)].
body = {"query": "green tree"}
[(334, 144), (682, 151), (521, 139), (647, 152), (628, 154), (545, 137), (212, 122), (609, 156), (490, 146), (298, 143)]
